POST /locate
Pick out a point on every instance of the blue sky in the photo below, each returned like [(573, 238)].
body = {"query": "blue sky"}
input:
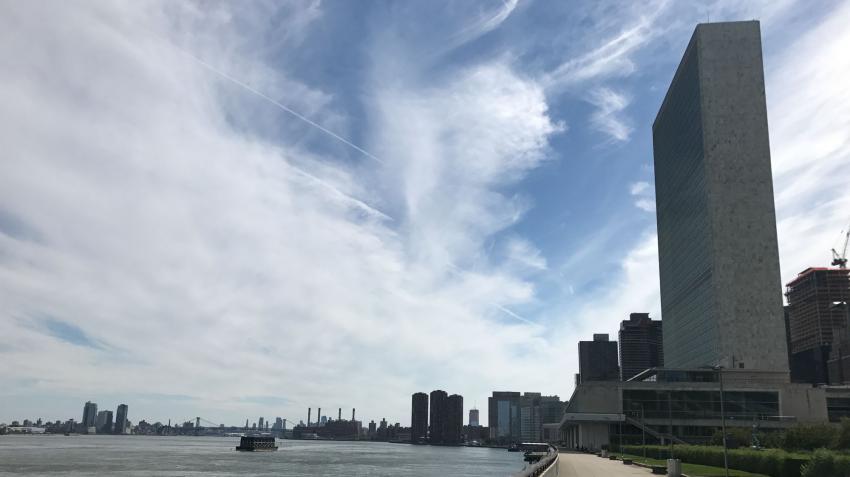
[(235, 212)]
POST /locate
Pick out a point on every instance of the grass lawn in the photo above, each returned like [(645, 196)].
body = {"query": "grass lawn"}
[(693, 470)]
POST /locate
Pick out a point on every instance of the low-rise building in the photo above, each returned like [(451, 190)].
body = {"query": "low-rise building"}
[(684, 405)]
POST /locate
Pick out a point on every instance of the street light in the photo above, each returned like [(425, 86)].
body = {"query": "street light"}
[(719, 370)]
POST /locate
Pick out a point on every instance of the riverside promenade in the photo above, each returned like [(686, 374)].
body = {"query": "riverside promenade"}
[(572, 464)]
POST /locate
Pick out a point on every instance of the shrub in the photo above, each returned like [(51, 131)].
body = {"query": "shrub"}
[(774, 462), (842, 441), (810, 437), (825, 463)]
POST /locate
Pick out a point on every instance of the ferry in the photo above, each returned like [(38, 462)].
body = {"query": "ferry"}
[(256, 444)]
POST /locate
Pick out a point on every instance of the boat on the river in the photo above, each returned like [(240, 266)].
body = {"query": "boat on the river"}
[(256, 443)]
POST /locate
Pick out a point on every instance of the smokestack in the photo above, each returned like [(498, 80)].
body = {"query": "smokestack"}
[(352, 414), (339, 416), (319, 417), (309, 412)]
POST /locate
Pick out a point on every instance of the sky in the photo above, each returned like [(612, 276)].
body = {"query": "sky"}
[(230, 211)]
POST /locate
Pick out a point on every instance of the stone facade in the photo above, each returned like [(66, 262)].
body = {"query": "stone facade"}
[(721, 292)]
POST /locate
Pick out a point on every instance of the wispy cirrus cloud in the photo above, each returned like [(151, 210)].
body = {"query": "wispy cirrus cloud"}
[(613, 57), (225, 264), (485, 22), (644, 196), (608, 118), (809, 107)]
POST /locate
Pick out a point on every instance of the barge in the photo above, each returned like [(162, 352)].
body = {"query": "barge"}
[(256, 444)]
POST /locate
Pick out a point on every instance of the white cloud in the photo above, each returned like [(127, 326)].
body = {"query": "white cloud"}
[(522, 253), (215, 264), (645, 204), (614, 56), (608, 115), (486, 22), (454, 144), (809, 108), (638, 188), (644, 196)]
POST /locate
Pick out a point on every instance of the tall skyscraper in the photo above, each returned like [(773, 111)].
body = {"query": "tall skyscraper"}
[(597, 359), (473, 418), (453, 431), (260, 423), (720, 286), (419, 418), (121, 420), (437, 425), (641, 345), (104, 422), (89, 415)]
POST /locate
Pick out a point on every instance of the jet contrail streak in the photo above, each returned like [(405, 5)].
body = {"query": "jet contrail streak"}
[(279, 105)]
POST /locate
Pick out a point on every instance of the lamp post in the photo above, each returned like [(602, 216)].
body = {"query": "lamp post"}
[(719, 371)]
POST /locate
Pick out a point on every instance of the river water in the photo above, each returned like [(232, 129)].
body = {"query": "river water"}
[(51, 455)]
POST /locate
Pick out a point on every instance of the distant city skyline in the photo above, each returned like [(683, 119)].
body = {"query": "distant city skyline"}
[(465, 191)]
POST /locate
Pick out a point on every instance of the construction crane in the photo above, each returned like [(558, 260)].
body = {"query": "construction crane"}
[(840, 259)]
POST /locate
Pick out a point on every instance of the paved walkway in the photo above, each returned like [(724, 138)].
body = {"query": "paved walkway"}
[(588, 465)]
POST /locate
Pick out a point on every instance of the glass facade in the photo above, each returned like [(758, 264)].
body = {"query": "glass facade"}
[(697, 404), (684, 227), (837, 408), (504, 412)]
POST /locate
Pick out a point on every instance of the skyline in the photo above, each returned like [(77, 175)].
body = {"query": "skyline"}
[(552, 243)]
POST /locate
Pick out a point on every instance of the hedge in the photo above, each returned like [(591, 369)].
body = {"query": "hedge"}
[(825, 463), (776, 463)]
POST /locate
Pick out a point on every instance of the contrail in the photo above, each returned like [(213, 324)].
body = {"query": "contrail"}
[(459, 271), (358, 203), (279, 105), (509, 312)]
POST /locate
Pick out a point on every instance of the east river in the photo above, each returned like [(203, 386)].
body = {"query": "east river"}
[(190, 456)]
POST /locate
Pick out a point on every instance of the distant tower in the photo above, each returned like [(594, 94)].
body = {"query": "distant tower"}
[(319, 417), (89, 415), (261, 426), (121, 419), (473, 417), (419, 418), (438, 416), (339, 416), (309, 414), (453, 430), (104, 422), (352, 414)]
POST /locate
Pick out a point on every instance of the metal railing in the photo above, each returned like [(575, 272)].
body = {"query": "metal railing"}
[(545, 467)]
